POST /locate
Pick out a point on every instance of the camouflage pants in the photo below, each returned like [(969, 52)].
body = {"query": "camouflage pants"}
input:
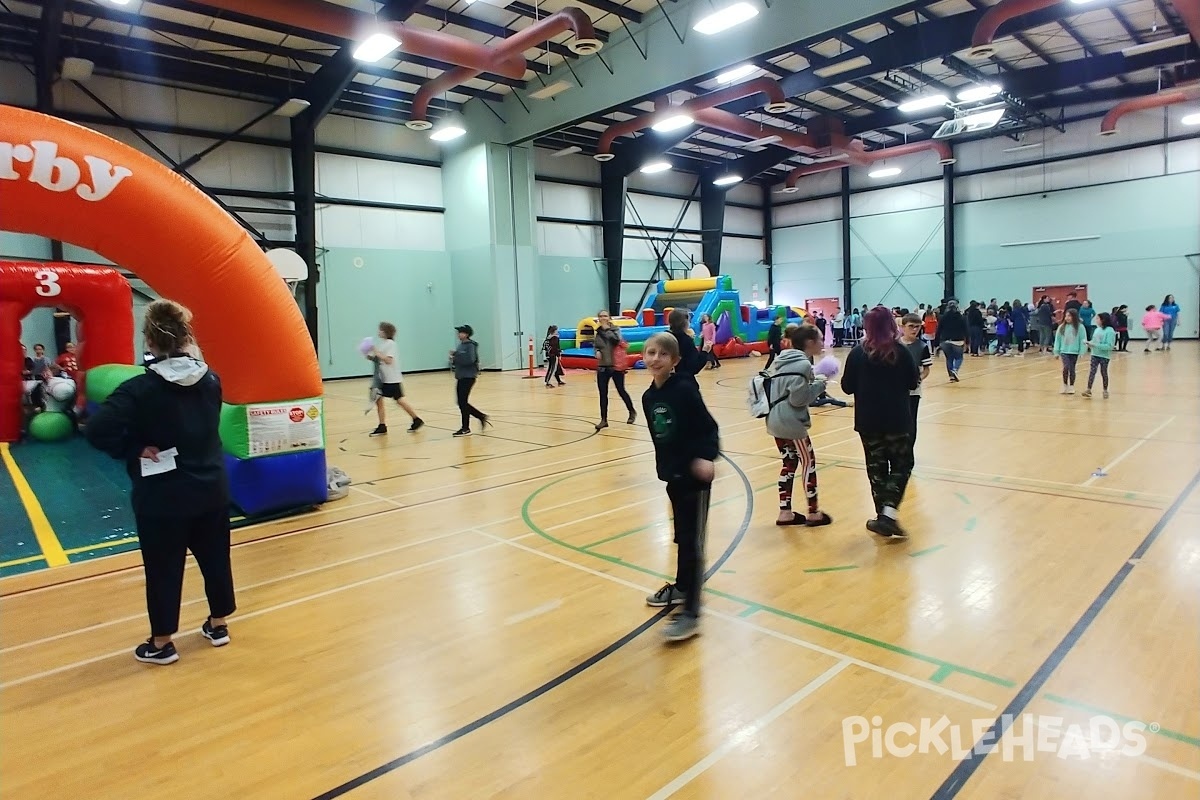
[(889, 464)]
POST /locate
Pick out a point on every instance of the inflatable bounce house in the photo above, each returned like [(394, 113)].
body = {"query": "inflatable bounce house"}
[(741, 329), (66, 182)]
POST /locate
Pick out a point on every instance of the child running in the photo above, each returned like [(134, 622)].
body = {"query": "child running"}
[(795, 386), (1152, 323), (686, 443), (1104, 338), (391, 380)]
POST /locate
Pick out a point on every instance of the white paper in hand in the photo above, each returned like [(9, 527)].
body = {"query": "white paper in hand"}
[(165, 463)]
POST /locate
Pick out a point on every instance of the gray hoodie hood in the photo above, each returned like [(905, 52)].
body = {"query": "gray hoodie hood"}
[(180, 370), (794, 386)]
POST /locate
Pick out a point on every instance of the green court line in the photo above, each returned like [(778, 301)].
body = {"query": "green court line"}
[(963, 497), (750, 611), (832, 569), (941, 675), (529, 523), (970, 524), (1170, 734), (608, 539), (933, 549)]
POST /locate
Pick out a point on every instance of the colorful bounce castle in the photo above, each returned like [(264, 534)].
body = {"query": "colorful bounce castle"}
[(741, 328)]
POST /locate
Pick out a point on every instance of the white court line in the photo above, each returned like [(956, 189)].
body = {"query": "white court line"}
[(544, 608), (1128, 452), (361, 490), (843, 660), (240, 588), (250, 615), (748, 732), (816, 648)]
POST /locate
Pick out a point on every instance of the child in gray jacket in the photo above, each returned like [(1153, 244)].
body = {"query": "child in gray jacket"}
[(793, 388), (464, 359)]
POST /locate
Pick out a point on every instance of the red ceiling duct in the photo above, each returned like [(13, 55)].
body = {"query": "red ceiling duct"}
[(857, 155), (1189, 12), (345, 23), (720, 120), (997, 15), (776, 103), (1168, 98), (511, 49)]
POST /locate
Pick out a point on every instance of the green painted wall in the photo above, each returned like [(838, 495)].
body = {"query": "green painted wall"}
[(897, 258), (362, 287), (569, 288), (1146, 228)]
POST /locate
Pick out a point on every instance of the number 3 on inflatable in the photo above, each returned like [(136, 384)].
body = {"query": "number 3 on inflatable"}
[(69, 183)]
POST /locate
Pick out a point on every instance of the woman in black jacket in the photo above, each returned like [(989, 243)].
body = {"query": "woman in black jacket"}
[(952, 333), (880, 373), (164, 426)]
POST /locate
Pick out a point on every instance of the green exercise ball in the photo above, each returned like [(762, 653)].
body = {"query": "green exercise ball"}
[(104, 379), (51, 426)]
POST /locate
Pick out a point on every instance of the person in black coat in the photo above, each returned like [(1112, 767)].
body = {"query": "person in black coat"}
[(691, 360), (880, 373), (952, 334), (164, 424)]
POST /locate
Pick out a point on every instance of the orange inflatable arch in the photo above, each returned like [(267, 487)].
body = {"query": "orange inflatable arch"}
[(66, 182)]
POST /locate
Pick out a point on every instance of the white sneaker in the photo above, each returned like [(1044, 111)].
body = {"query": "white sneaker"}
[(1070, 390), (1064, 389)]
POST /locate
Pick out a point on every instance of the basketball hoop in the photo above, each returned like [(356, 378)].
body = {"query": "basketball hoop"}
[(290, 266)]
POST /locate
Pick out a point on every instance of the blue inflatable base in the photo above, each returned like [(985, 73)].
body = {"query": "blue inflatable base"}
[(275, 483)]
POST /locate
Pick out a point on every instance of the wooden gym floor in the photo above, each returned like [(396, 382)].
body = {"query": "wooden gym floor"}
[(469, 623)]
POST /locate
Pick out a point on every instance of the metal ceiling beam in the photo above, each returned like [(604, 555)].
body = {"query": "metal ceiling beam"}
[(49, 37)]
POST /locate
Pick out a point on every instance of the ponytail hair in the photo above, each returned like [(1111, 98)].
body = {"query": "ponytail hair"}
[(168, 327)]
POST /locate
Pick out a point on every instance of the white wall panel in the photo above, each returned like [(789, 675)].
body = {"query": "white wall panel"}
[(558, 239), (567, 202), (745, 193), (743, 220), (661, 212), (577, 167), (806, 212), (898, 198), (914, 166), (376, 137), (746, 251), (1183, 156), (339, 226)]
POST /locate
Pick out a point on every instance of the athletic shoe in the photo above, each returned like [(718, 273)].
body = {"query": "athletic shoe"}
[(147, 653), (632, 418), (462, 432), (416, 425), (668, 595), (219, 636), (602, 424), (379, 431), (681, 626), (1106, 394), (1087, 392), (886, 527)]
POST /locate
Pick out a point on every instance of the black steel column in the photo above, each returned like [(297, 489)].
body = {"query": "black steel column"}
[(846, 271), (768, 209), (948, 231), (612, 216), (304, 192), (712, 223)]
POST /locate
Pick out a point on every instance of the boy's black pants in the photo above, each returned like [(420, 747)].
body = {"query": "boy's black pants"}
[(462, 390), (689, 505), (165, 542)]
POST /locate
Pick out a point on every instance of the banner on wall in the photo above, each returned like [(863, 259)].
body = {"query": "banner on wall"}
[(273, 428)]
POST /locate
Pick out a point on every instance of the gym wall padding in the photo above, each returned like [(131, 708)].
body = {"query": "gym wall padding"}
[(273, 483)]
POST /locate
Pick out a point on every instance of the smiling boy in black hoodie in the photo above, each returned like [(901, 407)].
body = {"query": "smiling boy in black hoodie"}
[(686, 443)]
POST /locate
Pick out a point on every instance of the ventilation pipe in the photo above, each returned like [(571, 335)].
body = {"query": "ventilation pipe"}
[(509, 50), (857, 155), (997, 15), (1189, 12), (1169, 98), (776, 104), (345, 23)]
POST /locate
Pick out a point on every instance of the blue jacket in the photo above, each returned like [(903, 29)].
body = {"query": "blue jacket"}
[(1020, 320)]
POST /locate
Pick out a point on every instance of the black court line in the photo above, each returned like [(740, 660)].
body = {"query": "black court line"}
[(558, 680), (991, 738)]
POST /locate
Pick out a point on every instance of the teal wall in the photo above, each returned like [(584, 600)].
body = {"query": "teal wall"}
[(896, 259), (1147, 229), (411, 289), (569, 288), (808, 262)]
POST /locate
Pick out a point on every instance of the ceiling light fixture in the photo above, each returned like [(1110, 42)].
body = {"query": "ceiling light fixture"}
[(551, 89), (975, 93), (764, 141), (375, 47), (1191, 119), (567, 151), (1161, 44), (884, 172), (118, 2), (842, 66), (725, 18), (446, 133), (291, 107), (923, 103), (672, 123), (727, 180), (737, 73), (656, 166)]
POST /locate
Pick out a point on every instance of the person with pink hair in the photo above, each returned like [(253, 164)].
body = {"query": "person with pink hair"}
[(880, 373)]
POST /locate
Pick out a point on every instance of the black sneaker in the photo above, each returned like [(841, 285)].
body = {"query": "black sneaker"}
[(416, 425), (219, 636), (147, 653), (379, 431), (886, 527), (462, 432)]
